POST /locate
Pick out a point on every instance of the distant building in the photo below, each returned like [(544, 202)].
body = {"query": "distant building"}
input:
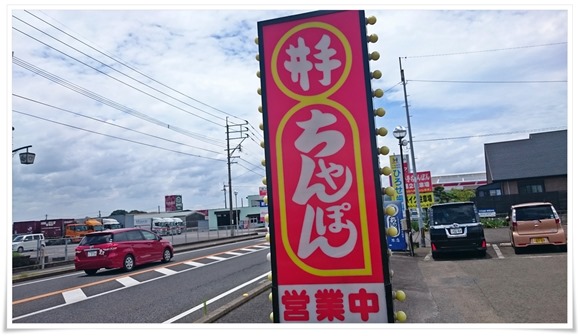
[(528, 170), (459, 181)]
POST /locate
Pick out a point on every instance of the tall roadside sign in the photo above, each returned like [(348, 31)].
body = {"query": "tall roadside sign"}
[(326, 222)]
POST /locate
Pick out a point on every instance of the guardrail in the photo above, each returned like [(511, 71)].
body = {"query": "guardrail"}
[(61, 251)]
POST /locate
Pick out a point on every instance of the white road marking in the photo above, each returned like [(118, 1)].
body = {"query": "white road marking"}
[(200, 306), (128, 281), (74, 295), (234, 253), (166, 271), (497, 251), (249, 250), (216, 258)]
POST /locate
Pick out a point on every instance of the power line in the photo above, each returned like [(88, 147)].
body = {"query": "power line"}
[(112, 124), (494, 134), (485, 82), (116, 79), (118, 138), (488, 50), (134, 69), (101, 99)]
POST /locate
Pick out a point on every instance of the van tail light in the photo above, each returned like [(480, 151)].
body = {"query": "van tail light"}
[(111, 247), (484, 244), (515, 224), (433, 247), (557, 220)]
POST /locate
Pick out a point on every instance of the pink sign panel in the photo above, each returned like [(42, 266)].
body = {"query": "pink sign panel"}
[(327, 234), (423, 180)]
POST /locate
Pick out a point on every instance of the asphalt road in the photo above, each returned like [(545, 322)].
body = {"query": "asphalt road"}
[(501, 288)]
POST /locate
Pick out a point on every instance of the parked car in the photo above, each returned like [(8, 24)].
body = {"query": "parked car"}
[(121, 248), (532, 224), (455, 227), (28, 242)]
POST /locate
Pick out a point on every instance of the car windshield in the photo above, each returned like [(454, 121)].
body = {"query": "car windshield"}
[(454, 213), (95, 239), (17, 239), (535, 212)]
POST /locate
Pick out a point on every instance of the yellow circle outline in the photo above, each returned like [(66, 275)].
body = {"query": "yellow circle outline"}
[(366, 269), (341, 80)]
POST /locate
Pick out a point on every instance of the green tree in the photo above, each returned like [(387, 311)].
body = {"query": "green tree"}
[(118, 212), (461, 195), (441, 196)]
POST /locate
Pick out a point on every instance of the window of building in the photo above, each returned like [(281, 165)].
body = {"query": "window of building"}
[(531, 187), (495, 192)]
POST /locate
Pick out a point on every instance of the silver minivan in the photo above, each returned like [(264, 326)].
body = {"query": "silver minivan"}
[(28, 242)]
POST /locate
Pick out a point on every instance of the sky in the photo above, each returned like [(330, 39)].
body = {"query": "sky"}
[(126, 103), (123, 105)]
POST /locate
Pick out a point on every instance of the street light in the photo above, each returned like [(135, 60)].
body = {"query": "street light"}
[(25, 158), (400, 132)]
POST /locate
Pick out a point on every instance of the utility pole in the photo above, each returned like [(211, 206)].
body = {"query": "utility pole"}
[(225, 201), (417, 196), (239, 132)]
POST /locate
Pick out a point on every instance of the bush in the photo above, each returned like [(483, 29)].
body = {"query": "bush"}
[(19, 260), (493, 223)]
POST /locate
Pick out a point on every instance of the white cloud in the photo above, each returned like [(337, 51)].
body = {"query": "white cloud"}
[(208, 58)]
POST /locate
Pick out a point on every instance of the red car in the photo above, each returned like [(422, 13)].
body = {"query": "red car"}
[(121, 248)]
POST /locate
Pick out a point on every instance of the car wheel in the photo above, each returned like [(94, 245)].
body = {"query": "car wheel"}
[(20, 249), (166, 255), (91, 272), (482, 254), (435, 255), (128, 263), (564, 248)]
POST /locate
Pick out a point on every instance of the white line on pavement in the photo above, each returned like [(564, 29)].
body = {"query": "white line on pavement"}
[(128, 281), (497, 251), (200, 306), (74, 295)]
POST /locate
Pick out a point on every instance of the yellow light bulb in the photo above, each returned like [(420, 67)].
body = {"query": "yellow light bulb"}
[(390, 210), (390, 191)]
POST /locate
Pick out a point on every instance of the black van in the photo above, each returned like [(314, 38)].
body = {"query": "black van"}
[(455, 227)]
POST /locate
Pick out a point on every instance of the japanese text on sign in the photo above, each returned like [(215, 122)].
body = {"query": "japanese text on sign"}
[(427, 200)]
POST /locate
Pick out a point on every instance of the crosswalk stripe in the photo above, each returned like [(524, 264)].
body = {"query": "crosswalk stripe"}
[(249, 250), (74, 295), (193, 263), (166, 271), (216, 258), (128, 281), (234, 253)]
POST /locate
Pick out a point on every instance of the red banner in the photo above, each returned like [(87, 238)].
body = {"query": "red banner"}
[(319, 130), (423, 180)]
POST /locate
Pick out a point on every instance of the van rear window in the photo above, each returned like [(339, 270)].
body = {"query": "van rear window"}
[(535, 212), (95, 240), (454, 213)]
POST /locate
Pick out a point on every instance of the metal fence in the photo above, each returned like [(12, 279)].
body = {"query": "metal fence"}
[(62, 250)]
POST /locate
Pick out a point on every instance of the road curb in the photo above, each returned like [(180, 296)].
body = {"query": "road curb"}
[(225, 309)]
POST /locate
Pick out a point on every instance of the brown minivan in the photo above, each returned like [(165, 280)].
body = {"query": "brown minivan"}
[(533, 224)]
